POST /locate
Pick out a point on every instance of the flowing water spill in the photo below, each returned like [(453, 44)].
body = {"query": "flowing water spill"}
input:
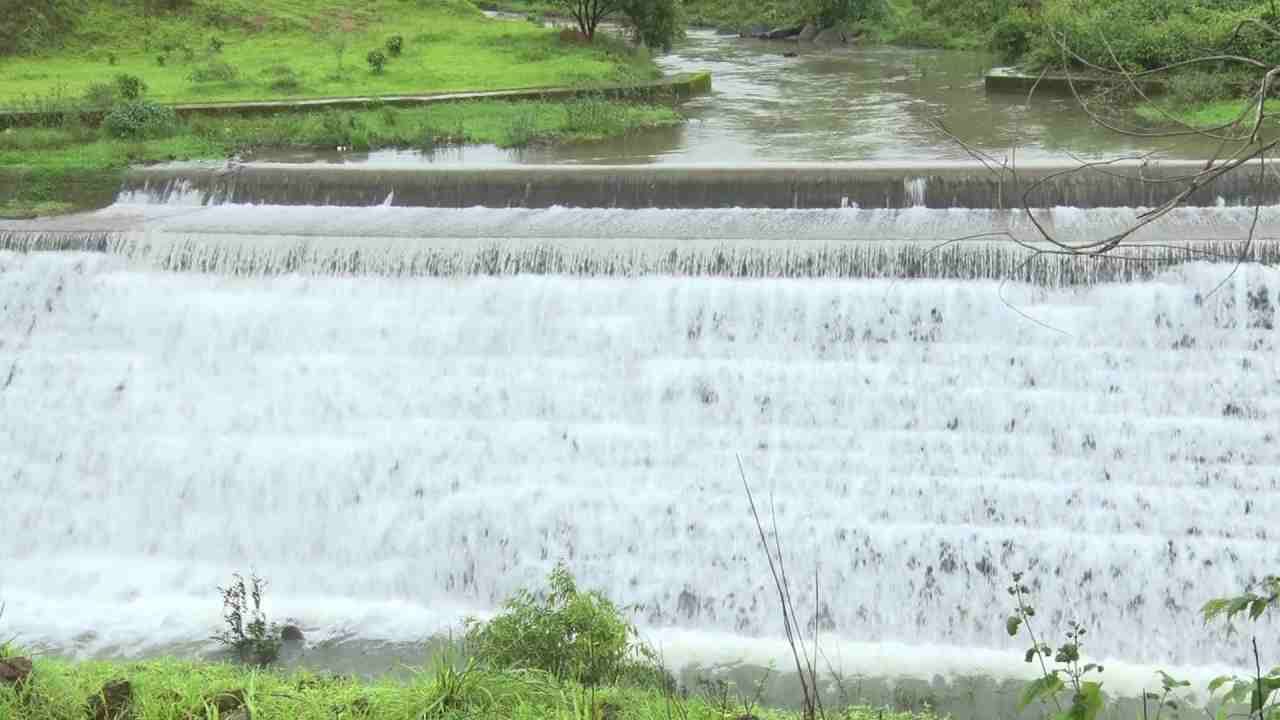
[(400, 414)]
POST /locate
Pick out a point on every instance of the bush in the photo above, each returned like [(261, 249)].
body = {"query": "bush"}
[(377, 61), (101, 95), (395, 45), (1146, 34), (1011, 37), (655, 23), (574, 635), (248, 634), (283, 78), (139, 119), (217, 71), (130, 87)]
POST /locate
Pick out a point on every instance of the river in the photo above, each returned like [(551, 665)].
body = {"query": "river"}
[(850, 103)]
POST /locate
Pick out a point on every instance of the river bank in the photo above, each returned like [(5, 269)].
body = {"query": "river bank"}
[(86, 132), (171, 688)]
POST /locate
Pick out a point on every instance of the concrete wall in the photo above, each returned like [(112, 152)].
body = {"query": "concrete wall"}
[(865, 185)]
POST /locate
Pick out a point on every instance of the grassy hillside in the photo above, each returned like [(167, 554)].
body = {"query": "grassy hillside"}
[(236, 49), (226, 50)]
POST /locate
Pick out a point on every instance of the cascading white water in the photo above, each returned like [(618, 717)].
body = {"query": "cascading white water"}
[(393, 454), (915, 242)]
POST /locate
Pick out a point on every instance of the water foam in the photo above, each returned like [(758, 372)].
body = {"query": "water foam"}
[(396, 453), (853, 242)]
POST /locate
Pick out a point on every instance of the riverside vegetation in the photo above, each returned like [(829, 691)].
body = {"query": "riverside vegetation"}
[(104, 70), (561, 653)]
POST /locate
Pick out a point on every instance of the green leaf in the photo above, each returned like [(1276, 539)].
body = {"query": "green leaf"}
[(1042, 687), (1218, 682), (1088, 701), (1169, 682), (1012, 624), (1257, 607), (1031, 654)]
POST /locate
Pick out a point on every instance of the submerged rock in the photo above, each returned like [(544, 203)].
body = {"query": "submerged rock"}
[(15, 670), (831, 36), (113, 702), (783, 33), (292, 635)]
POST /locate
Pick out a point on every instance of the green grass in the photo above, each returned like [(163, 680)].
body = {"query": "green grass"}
[(1205, 114), (175, 689), (448, 45), (63, 169)]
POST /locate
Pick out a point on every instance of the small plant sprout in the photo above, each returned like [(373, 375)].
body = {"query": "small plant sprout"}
[(377, 61), (1067, 673), (248, 634), (395, 45)]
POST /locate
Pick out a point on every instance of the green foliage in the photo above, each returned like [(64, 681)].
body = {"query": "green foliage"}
[(655, 23), (215, 71), (395, 45), (1012, 35), (283, 79), (377, 61), (830, 13), (100, 95), (130, 87), (1252, 603), (169, 689), (215, 45), (1068, 676), (1147, 34), (1067, 673), (574, 635), (248, 634), (1261, 692), (29, 27), (138, 119)]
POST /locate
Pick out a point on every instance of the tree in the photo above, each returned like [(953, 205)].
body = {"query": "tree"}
[(656, 23), (588, 14)]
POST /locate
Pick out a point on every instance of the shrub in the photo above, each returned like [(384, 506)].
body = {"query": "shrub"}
[(101, 95), (377, 61), (1012, 34), (395, 45), (283, 79), (522, 129), (593, 116), (655, 23), (574, 635), (216, 71), (248, 634), (139, 119), (130, 87)]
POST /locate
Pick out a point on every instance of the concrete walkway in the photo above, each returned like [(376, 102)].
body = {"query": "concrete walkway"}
[(676, 88)]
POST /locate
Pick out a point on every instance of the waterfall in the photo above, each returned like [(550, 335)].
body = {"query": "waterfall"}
[(915, 242), (393, 454)]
